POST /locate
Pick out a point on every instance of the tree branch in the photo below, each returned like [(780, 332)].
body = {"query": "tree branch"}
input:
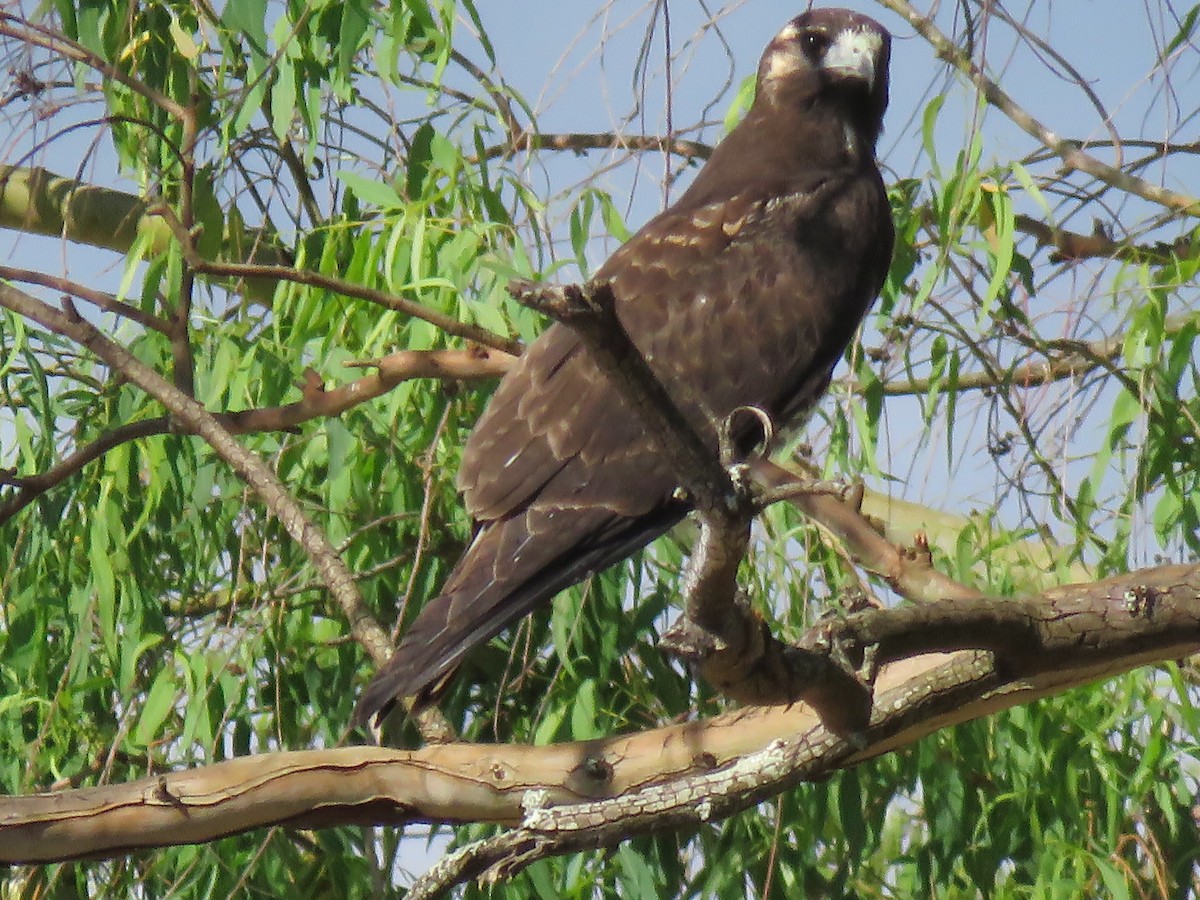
[(1066, 244), (38, 201), (39, 36), (316, 402), (30, 487), (1070, 151), (446, 323), (100, 299), (598, 793), (582, 142), (909, 571)]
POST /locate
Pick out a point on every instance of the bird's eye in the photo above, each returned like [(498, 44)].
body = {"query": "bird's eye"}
[(814, 43)]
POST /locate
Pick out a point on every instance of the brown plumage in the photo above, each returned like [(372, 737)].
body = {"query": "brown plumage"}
[(745, 292)]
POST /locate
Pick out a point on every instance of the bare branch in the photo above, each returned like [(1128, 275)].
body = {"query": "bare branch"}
[(99, 299), (1072, 360), (477, 363), (582, 142), (474, 364), (597, 793), (446, 323), (909, 571), (1071, 152), (39, 36)]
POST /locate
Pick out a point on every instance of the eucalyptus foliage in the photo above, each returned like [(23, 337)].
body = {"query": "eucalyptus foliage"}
[(153, 615)]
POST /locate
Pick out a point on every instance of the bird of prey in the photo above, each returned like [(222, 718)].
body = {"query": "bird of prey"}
[(744, 293)]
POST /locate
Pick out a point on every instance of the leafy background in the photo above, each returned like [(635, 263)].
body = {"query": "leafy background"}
[(155, 617)]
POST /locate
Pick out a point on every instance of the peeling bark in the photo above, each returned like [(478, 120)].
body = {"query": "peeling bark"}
[(600, 792)]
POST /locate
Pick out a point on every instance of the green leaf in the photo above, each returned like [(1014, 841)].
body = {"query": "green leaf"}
[(1186, 28), (370, 191), (1126, 410), (283, 103), (157, 706), (928, 131), (356, 18), (1025, 180), (248, 18), (635, 874), (583, 712), (742, 101)]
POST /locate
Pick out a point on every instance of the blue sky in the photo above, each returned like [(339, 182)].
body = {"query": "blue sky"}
[(574, 66)]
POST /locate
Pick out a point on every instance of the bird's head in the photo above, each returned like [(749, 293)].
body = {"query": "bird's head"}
[(830, 55)]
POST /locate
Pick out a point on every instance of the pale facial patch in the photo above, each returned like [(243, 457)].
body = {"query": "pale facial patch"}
[(790, 32), (785, 60), (853, 52)]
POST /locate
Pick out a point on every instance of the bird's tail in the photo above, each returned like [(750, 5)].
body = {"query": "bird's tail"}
[(503, 575)]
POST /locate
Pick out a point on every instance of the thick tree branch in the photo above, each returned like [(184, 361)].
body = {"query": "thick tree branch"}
[(598, 793), (38, 201)]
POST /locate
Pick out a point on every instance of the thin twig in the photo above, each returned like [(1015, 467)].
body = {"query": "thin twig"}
[(30, 487), (99, 299), (39, 36), (909, 571), (1070, 151), (446, 323)]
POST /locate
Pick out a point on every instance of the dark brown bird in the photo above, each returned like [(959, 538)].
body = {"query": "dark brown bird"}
[(745, 292)]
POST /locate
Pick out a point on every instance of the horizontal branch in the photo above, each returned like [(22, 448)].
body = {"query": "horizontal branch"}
[(316, 402), (1070, 636), (1065, 358), (1066, 244), (309, 278), (30, 487), (582, 142), (37, 201), (1072, 245), (100, 299), (476, 363)]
